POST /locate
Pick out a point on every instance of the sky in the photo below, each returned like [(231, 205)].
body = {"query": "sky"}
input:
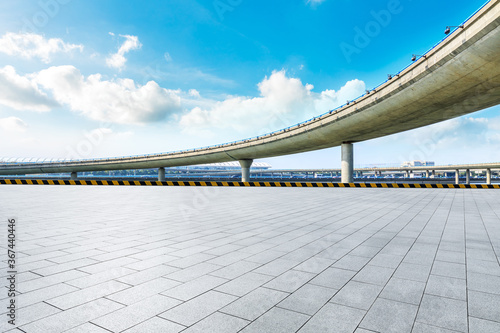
[(84, 79)]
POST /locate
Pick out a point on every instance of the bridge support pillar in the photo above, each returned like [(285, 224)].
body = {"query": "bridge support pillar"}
[(457, 177), (488, 176), (161, 174), (347, 163), (427, 174), (74, 176), (467, 176), (245, 170), (433, 174), (407, 173)]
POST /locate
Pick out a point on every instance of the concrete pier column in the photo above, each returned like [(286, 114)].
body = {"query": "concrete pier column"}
[(161, 174), (407, 173), (347, 163), (427, 174), (457, 176), (467, 176), (488, 176), (74, 175), (433, 174), (245, 170)]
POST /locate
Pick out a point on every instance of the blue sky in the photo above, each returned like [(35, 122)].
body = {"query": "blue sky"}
[(81, 79)]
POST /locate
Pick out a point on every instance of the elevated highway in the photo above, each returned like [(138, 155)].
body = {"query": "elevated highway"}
[(460, 75)]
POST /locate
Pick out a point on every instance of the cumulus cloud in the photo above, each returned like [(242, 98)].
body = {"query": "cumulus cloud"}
[(30, 45), (13, 124), (118, 60), (21, 93), (283, 101), (117, 101)]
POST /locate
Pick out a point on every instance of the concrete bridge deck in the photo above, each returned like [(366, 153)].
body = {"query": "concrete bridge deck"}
[(163, 259)]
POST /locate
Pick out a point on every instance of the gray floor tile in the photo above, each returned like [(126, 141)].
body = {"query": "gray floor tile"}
[(276, 267), (244, 284), (73, 317), (483, 267), (386, 260), (193, 272), (218, 323), (483, 282), (107, 275), (413, 272), (79, 297), (193, 288), (308, 299), (446, 287), (374, 275), (196, 309), (334, 278), (448, 269), (390, 316), (477, 325), (443, 312), (155, 325), (290, 281), (314, 265), (277, 320), (136, 313), (254, 304), (87, 328), (147, 275), (351, 262), (406, 291), (307, 253), (357, 295), (334, 318), (425, 328), (142, 291), (484, 306), (234, 270)]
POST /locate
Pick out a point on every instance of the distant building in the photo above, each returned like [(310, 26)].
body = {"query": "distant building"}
[(417, 163)]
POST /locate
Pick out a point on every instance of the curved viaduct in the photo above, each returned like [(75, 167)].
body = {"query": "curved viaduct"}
[(459, 75)]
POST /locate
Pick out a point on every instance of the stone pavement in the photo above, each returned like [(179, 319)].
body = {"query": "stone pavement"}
[(146, 259)]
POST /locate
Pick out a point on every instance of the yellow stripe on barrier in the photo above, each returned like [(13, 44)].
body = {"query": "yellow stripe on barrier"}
[(243, 184)]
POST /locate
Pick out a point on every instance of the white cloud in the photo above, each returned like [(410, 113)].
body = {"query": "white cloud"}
[(30, 45), (21, 93), (116, 101), (13, 124), (194, 93), (118, 60), (315, 2), (283, 101)]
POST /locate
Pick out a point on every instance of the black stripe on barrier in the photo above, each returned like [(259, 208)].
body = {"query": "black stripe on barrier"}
[(25, 181)]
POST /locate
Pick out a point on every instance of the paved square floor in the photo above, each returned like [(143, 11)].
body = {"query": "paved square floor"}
[(146, 259)]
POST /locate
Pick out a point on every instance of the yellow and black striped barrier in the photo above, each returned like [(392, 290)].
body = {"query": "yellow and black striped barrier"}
[(231, 183)]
